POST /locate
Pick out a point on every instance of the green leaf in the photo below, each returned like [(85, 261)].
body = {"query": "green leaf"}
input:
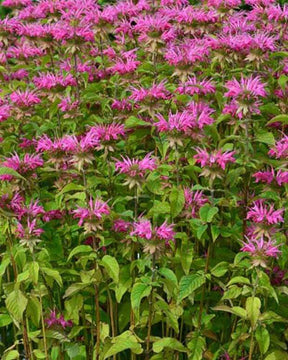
[(34, 272), (5, 320), (215, 231), (125, 281), (220, 269), (39, 354), (282, 81), (73, 306), (74, 288), (133, 121), (177, 201), (80, 249), (11, 355), (263, 339), (207, 213), (16, 303), (54, 274), (8, 171), (235, 310), (188, 284), (232, 293), (23, 276), (170, 343), (139, 291), (253, 305), (239, 280), (186, 256), (34, 309), (112, 267), (201, 230), (279, 118), (277, 354), (196, 347), (266, 137), (123, 342)]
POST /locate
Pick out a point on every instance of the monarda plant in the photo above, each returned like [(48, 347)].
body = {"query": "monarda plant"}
[(144, 180)]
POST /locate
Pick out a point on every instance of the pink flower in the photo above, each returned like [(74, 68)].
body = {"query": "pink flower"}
[(193, 86), (136, 167), (216, 158), (194, 200), (53, 215), (109, 132), (28, 232), (248, 88), (260, 213), (143, 229), (280, 150), (54, 320), (281, 176), (22, 166), (156, 92), (121, 225), (95, 211), (5, 112), (50, 80), (24, 98), (165, 232), (258, 247)]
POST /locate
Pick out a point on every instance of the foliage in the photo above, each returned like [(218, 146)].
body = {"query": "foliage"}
[(144, 180)]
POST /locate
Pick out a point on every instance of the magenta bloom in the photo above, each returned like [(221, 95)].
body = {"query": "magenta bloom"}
[(280, 150), (136, 169), (95, 211), (258, 247), (281, 177), (156, 92), (28, 164), (194, 200), (248, 88), (216, 158), (143, 229), (244, 96), (50, 80), (193, 86), (110, 132), (121, 225), (24, 98), (261, 213), (5, 111), (53, 320)]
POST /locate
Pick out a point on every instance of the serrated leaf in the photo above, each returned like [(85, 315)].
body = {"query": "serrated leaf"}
[(80, 249), (11, 355), (235, 310), (170, 343), (74, 288), (5, 319), (53, 274), (207, 213), (139, 291), (125, 281), (263, 339), (239, 280), (8, 171), (188, 284), (266, 137), (186, 255), (283, 118), (133, 121), (16, 304), (112, 267), (220, 269), (34, 272), (253, 305), (277, 354), (177, 201), (34, 309), (123, 342), (196, 347)]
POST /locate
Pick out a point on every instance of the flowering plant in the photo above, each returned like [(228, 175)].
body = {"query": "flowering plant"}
[(143, 179)]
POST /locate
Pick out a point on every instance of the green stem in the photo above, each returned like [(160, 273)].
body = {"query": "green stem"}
[(150, 316)]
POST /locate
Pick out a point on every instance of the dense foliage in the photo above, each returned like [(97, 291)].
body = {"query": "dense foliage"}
[(143, 195)]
